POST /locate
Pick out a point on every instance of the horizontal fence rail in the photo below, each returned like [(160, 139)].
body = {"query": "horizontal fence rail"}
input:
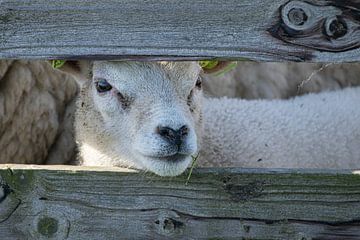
[(63, 202), (266, 30)]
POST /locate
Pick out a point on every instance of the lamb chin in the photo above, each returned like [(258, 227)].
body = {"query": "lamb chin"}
[(167, 168)]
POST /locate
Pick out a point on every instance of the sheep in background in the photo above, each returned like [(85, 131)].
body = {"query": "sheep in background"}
[(35, 126), (150, 116), (312, 131), (252, 80)]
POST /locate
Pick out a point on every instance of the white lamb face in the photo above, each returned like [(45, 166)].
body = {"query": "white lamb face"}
[(141, 115)]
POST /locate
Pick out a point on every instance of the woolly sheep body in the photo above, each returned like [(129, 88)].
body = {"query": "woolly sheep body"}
[(253, 80), (33, 115), (312, 131)]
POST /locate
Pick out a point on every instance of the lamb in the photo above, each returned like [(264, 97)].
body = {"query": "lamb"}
[(141, 115), (151, 116)]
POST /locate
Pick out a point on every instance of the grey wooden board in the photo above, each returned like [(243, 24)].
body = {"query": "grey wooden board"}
[(41, 202), (265, 30)]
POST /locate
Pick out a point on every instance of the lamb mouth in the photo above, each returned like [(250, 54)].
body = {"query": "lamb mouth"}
[(178, 157)]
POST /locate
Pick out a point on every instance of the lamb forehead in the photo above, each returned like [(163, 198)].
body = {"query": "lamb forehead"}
[(179, 72)]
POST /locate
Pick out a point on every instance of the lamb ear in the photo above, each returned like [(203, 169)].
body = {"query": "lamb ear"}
[(81, 70), (220, 67)]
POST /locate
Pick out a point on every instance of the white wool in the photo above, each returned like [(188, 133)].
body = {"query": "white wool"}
[(311, 131)]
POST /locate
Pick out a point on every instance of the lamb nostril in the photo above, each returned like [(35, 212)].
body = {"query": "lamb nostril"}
[(167, 133), (183, 131)]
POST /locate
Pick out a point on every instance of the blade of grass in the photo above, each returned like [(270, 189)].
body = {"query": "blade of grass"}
[(57, 63), (194, 159)]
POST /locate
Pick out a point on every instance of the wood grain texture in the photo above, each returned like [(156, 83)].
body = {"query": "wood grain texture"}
[(82, 203), (265, 30)]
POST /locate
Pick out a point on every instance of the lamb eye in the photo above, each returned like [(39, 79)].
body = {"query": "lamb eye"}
[(199, 83), (102, 86)]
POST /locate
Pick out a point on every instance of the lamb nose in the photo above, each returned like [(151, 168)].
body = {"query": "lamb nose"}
[(173, 136)]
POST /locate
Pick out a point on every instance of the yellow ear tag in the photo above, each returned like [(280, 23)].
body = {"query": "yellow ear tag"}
[(57, 63)]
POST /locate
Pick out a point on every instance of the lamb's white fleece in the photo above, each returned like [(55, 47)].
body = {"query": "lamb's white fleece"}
[(311, 131)]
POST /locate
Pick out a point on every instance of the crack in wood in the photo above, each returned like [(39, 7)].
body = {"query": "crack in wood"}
[(6, 190), (340, 229), (11, 212), (355, 222)]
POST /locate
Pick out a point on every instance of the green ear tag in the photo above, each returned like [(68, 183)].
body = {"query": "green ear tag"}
[(57, 63), (208, 64)]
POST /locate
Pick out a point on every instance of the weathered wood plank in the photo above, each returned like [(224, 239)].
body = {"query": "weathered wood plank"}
[(79, 203), (270, 30)]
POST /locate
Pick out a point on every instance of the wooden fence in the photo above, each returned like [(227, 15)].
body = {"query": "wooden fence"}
[(272, 30), (80, 203)]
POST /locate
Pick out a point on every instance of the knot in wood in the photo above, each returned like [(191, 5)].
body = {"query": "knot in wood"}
[(47, 226), (336, 28), (297, 16), (170, 226)]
